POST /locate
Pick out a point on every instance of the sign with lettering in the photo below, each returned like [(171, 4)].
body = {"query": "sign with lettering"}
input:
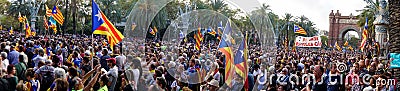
[(308, 41)]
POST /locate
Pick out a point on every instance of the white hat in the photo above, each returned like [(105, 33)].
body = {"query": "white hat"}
[(214, 83)]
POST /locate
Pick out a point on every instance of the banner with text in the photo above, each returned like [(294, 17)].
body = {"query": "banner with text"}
[(308, 41)]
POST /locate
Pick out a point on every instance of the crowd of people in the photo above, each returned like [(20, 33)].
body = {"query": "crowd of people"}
[(83, 63)]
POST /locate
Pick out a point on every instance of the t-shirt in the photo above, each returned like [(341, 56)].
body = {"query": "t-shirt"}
[(37, 59), (32, 85), (104, 88), (319, 87)]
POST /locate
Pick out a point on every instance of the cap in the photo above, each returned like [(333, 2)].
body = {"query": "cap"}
[(214, 82), (113, 60)]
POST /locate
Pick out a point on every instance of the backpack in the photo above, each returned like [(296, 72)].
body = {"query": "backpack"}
[(4, 85), (21, 74), (47, 80)]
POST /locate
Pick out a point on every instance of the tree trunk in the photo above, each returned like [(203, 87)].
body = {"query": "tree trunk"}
[(394, 26), (65, 18), (74, 15)]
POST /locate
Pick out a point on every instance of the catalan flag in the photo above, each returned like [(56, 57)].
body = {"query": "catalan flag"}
[(211, 31), (241, 61), (45, 23), (20, 18), (220, 29), (299, 30), (337, 46), (364, 35), (346, 44), (48, 11), (152, 32), (225, 47), (28, 31), (198, 38), (56, 13), (11, 31), (101, 25), (155, 29)]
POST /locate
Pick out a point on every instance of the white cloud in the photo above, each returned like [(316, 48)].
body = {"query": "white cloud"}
[(316, 10)]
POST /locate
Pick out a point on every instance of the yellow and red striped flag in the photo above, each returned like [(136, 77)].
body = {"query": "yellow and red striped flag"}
[(48, 11), (28, 31), (20, 18), (299, 30), (45, 23), (364, 35), (101, 25), (198, 38), (56, 13), (225, 47)]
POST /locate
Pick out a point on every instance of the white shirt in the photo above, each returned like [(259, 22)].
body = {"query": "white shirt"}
[(4, 64), (257, 72), (120, 60), (217, 76), (38, 58), (175, 84)]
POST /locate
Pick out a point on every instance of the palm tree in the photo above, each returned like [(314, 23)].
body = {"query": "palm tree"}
[(143, 14), (4, 5), (262, 23), (18, 7), (369, 12)]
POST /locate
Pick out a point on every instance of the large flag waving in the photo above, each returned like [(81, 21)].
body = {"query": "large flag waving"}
[(198, 38), (56, 13), (225, 47), (101, 25), (364, 35), (28, 31), (299, 30), (240, 61)]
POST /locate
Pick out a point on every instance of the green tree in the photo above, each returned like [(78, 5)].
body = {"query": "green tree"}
[(369, 12), (353, 42), (8, 21), (4, 5), (324, 40)]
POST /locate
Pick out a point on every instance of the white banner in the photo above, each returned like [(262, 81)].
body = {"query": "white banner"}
[(308, 41)]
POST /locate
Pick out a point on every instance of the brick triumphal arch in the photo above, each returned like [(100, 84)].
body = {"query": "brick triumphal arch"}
[(339, 25)]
